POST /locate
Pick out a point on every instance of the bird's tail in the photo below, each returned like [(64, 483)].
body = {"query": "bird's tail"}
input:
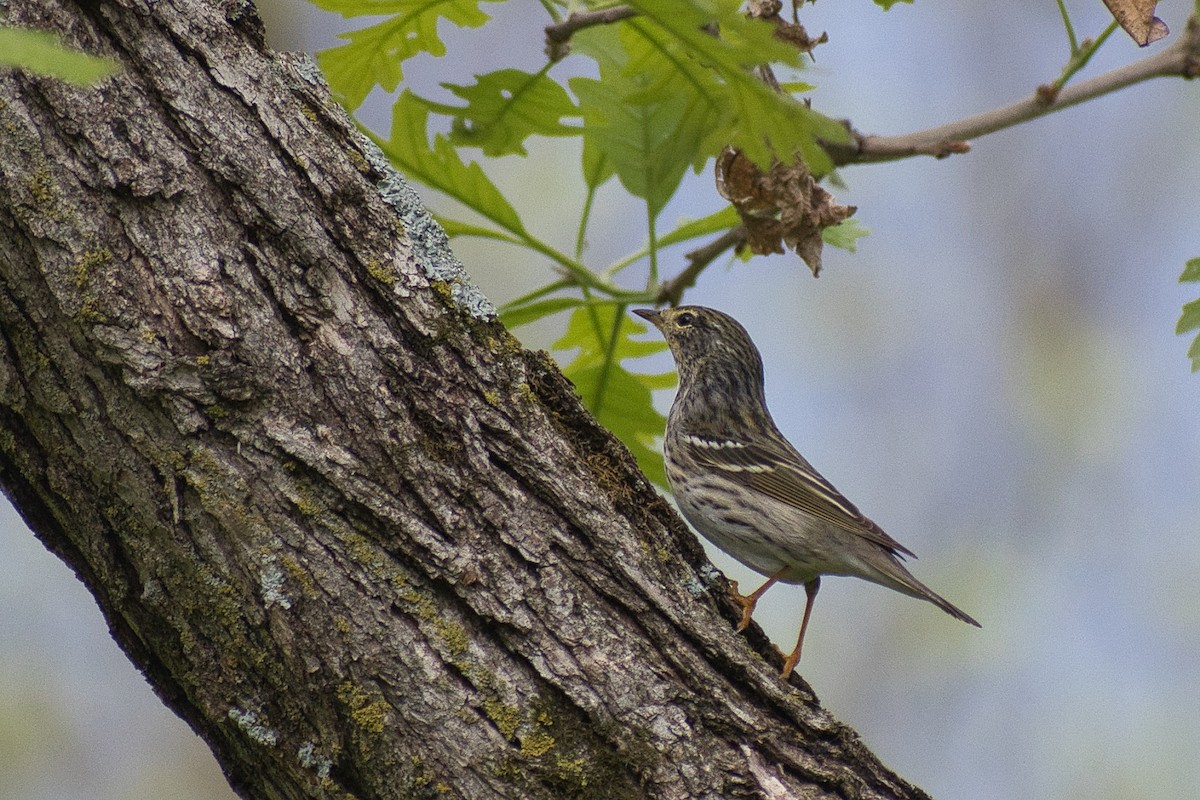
[(892, 574)]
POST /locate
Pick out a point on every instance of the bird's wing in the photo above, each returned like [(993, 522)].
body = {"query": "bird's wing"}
[(787, 477)]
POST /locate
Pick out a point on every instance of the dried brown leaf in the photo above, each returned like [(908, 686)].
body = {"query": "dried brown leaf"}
[(1138, 20), (791, 32), (781, 208)]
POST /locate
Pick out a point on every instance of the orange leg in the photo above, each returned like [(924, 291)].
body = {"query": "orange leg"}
[(811, 588), (749, 601)]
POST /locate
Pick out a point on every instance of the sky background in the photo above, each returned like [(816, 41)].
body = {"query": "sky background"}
[(993, 377)]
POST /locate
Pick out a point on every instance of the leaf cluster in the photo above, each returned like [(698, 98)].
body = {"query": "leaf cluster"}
[(654, 89), (649, 98)]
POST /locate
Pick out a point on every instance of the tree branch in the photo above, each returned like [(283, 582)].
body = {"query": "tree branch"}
[(1181, 59), (559, 35), (671, 292)]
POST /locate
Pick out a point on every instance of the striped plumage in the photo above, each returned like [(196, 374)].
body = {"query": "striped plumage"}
[(747, 490)]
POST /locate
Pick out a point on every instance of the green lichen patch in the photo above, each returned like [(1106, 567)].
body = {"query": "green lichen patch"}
[(306, 502), (562, 757), (453, 635), (579, 764), (368, 709), (41, 187), (506, 717), (418, 781), (572, 771), (299, 574), (373, 717), (366, 554), (358, 160), (525, 392), (90, 313), (381, 272), (85, 266), (536, 743), (448, 632), (216, 412)]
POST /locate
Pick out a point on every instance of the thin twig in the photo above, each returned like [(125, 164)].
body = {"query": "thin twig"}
[(1088, 48), (558, 35), (671, 291), (1066, 18), (1182, 58)]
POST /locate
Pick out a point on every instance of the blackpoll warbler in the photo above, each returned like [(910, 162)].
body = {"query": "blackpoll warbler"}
[(744, 486)]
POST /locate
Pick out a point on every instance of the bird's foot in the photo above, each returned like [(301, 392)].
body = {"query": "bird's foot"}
[(790, 663), (747, 602)]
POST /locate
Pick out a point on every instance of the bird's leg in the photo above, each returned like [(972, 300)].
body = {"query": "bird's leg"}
[(811, 588), (749, 601)]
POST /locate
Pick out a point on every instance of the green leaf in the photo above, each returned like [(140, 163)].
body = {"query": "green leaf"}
[(439, 166), (41, 53), (769, 125), (456, 227), (531, 312), (886, 5), (716, 222), (1189, 320), (605, 48), (621, 400), (657, 71), (630, 414), (743, 42), (374, 54), (506, 107), (649, 143), (844, 235), (597, 166), (637, 140), (1191, 272), (663, 380), (589, 330), (796, 87), (677, 55)]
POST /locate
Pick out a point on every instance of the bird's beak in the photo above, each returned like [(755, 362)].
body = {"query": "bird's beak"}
[(650, 315)]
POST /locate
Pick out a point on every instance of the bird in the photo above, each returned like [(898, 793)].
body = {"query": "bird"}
[(747, 490)]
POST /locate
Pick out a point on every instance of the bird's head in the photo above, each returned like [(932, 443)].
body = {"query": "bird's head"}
[(709, 347)]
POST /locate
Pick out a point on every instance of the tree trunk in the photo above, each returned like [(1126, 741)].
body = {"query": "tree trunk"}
[(354, 534)]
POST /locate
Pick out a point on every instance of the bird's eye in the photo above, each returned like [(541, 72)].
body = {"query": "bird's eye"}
[(685, 318)]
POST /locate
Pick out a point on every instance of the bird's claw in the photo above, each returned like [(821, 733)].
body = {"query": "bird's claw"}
[(747, 602)]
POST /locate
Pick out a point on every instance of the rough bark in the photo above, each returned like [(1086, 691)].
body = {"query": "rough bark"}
[(354, 534)]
